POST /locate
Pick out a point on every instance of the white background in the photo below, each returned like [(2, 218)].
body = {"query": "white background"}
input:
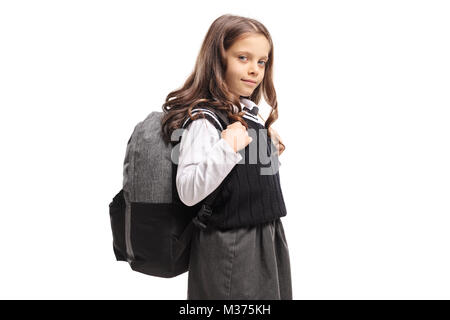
[(363, 95)]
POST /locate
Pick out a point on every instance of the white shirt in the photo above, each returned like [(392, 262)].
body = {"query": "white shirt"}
[(205, 159)]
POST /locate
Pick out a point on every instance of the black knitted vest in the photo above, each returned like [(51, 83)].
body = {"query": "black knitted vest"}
[(251, 193)]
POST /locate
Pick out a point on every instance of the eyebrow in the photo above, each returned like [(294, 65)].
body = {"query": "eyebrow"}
[(265, 57)]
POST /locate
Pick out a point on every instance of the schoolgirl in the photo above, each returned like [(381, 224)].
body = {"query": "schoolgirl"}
[(243, 254)]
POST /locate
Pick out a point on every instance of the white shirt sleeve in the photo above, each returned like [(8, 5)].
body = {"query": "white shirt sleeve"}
[(204, 161)]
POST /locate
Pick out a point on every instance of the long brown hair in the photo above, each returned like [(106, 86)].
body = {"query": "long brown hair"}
[(206, 85)]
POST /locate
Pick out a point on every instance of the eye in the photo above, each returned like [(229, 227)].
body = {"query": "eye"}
[(264, 62)]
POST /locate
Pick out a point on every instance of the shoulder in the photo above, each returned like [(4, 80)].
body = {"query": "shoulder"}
[(201, 129), (199, 135)]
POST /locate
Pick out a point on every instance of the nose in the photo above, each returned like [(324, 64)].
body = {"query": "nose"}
[(253, 69)]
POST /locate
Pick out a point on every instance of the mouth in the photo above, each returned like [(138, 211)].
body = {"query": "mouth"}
[(249, 81)]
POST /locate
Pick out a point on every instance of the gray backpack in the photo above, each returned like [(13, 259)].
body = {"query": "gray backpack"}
[(151, 227)]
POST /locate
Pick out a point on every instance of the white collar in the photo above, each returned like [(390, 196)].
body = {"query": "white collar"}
[(249, 104), (246, 103)]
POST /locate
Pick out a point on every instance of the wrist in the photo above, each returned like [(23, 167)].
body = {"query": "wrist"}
[(229, 144)]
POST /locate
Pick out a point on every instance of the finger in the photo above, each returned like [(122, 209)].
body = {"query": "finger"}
[(282, 148)]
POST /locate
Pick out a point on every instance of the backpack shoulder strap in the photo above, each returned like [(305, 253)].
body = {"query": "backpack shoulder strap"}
[(217, 119), (220, 120)]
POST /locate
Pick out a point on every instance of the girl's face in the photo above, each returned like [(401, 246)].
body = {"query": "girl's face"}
[(246, 60)]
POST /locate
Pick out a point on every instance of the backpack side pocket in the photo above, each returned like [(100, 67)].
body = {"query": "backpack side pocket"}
[(117, 217)]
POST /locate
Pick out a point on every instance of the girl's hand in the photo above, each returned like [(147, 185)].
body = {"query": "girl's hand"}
[(236, 136), (277, 141)]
